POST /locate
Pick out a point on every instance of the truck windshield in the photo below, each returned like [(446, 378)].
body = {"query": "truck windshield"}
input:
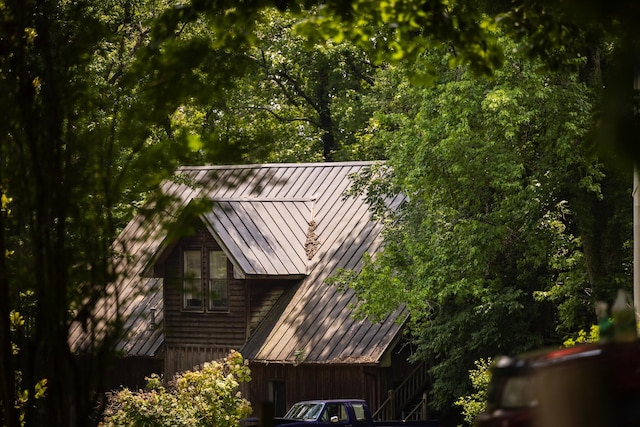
[(304, 411)]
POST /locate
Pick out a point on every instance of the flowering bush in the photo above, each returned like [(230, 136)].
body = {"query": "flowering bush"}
[(209, 396)]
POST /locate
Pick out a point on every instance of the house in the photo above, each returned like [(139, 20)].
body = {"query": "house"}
[(238, 260)]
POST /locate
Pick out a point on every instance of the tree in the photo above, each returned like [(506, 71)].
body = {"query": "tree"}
[(560, 34), (494, 250), (88, 108), (297, 101)]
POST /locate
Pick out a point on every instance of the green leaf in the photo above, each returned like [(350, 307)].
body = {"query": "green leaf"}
[(194, 142)]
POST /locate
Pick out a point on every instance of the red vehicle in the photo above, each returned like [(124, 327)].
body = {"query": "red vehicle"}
[(590, 385)]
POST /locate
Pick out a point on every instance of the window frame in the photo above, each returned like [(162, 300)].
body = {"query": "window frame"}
[(219, 278), (195, 290), (206, 281)]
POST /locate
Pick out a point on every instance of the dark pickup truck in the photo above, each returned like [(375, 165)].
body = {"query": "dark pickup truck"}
[(339, 412)]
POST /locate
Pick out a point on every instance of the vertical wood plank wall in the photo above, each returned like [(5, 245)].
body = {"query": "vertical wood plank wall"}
[(179, 358), (324, 381)]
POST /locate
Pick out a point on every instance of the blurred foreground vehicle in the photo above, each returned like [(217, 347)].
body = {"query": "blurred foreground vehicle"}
[(588, 385)]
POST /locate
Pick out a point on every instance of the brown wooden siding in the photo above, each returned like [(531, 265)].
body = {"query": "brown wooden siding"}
[(132, 372), (179, 358), (124, 372), (305, 382), (263, 296)]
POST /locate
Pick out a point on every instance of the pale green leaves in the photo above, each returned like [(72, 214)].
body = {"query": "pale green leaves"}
[(205, 397), (495, 177), (403, 30), (194, 142), (473, 404)]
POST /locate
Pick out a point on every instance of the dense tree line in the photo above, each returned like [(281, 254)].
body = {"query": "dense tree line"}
[(513, 225)]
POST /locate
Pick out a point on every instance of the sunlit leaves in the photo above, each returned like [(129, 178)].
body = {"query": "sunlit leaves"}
[(402, 30), (499, 184), (22, 389), (4, 204), (15, 320), (472, 405), (207, 396)]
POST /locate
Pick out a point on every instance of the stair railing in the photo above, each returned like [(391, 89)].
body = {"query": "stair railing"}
[(392, 407), (420, 411)]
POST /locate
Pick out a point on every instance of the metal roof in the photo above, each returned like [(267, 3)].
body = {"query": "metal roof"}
[(263, 237), (287, 220)]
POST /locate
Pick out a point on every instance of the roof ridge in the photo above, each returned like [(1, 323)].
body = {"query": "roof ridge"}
[(254, 199), (280, 165)]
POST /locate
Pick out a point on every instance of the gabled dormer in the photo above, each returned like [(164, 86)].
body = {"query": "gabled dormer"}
[(200, 269)]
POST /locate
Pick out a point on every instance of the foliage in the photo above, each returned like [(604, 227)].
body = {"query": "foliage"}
[(295, 102), (404, 29), (583, 337), (89, 105), (560, 35), (205, 397), (472, 405), (17, 324), (495, 249)]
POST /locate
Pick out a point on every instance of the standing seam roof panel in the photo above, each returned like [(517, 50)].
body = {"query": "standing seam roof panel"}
[(274, 249), (341, 317), (263, 250), (235, 238), (290, 243), (335, 345), (300, 177), (291, 334)]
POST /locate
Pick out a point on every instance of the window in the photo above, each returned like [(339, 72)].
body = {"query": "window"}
[(304, 411), (358, 408), (335, 412), (204, 273), (218, 291), (192, 280)]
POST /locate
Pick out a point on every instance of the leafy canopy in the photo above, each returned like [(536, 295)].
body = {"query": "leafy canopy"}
[(494, 250)]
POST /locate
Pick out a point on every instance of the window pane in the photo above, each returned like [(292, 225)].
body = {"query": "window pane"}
[(217, 265), (218, 290), (335, 411), (192, 280), (358, 408)]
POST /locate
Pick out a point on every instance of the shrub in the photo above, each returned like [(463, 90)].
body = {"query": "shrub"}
[(474, 404), (583, 337), (209, 396)]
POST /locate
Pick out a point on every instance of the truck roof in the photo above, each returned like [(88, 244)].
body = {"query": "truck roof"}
[(333, 401)]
